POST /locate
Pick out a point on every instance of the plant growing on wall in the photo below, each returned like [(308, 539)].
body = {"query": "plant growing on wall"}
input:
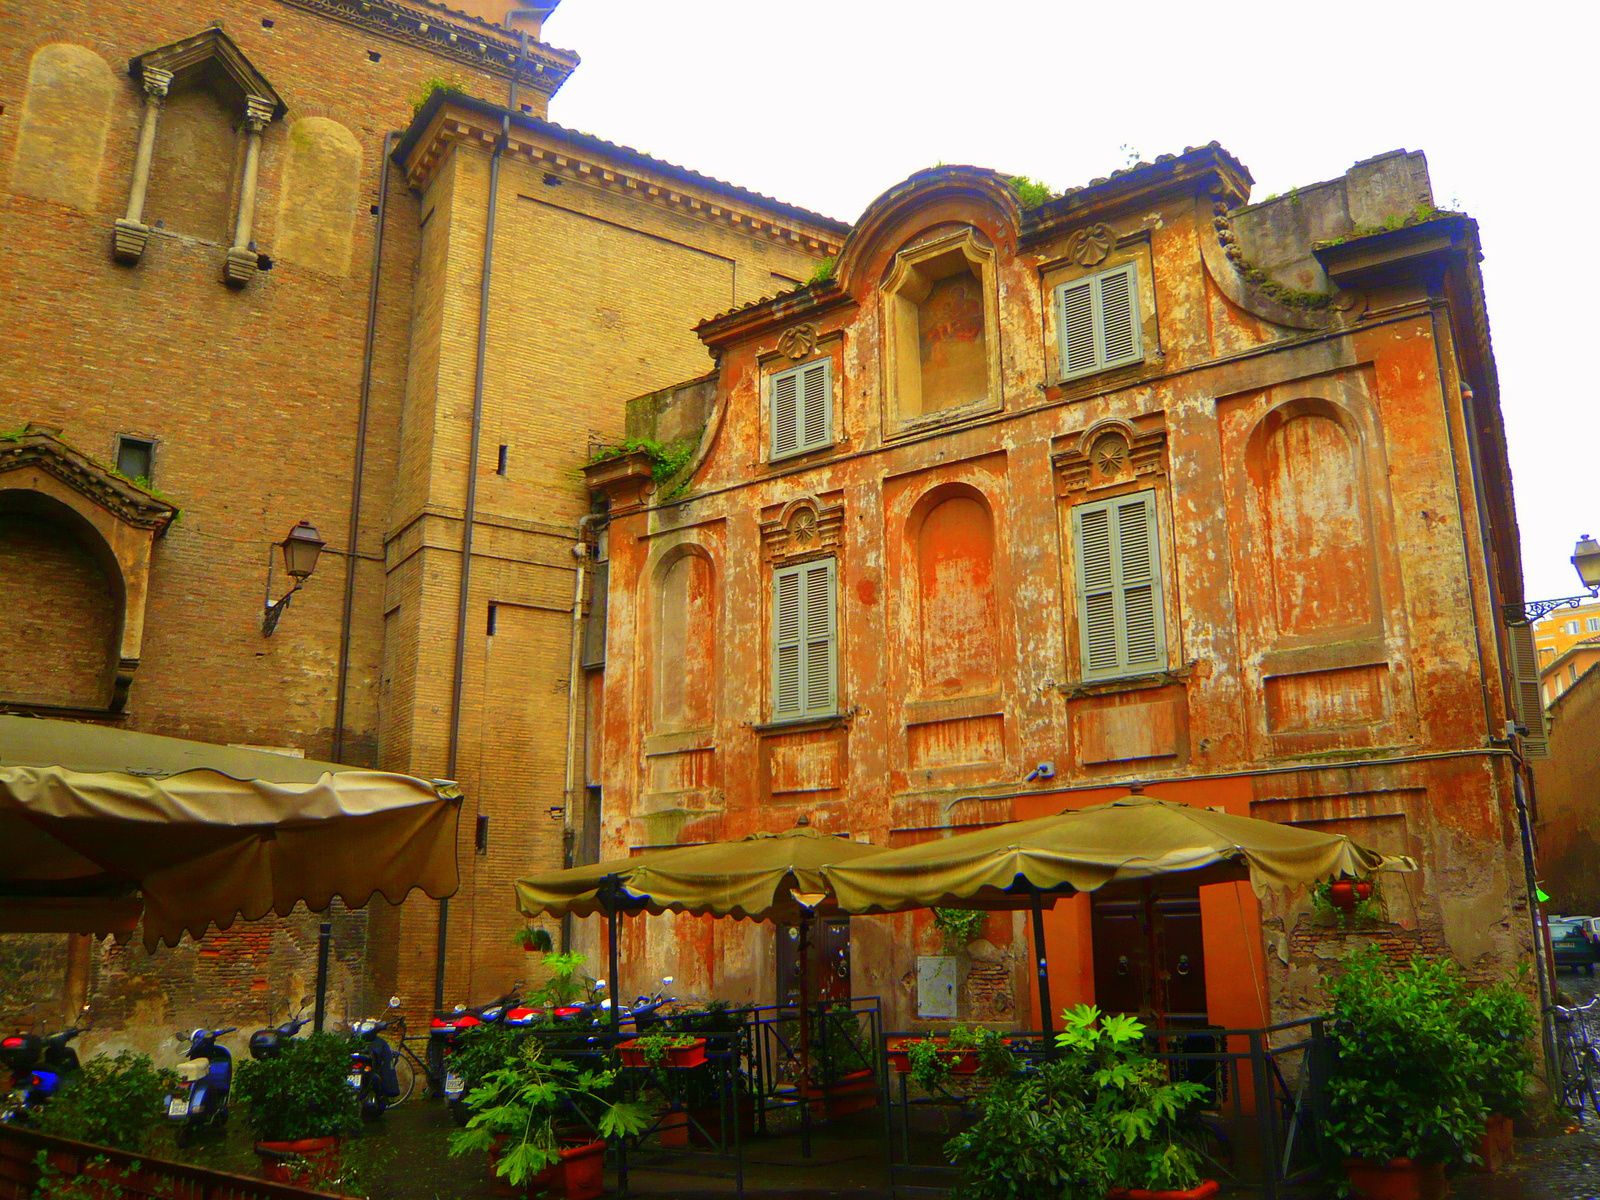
[(666, 459), (959, 926), (1030, 193)]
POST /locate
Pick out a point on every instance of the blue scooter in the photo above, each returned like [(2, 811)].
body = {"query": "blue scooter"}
[(268, 1043), (373, 1071), (200, 1101), (39, 1066)]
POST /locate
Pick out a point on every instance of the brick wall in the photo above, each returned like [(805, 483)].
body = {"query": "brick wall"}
[(59, 610)]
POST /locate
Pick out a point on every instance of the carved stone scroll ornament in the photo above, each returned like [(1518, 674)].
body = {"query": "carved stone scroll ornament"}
[(1090, 245), (803, 527), (798, 342)]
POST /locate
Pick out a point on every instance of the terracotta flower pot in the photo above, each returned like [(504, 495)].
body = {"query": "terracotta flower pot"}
[(302, 1162), (1345, 894), (852, 1093), (678, 1057), (580, 1175), (673, 1129), (1397, 1179), (900, 1056), (1497, 1145), (1203, 1190)]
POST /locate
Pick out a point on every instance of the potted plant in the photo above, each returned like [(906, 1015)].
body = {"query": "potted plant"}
[(1348, 903), (1403, 1104), (674, 1050), (531, 1114), (932, 1060), (112, 1101), (299, 1103), (843, 1079), (1499, 1021), (534, 939), (1099, 1118)]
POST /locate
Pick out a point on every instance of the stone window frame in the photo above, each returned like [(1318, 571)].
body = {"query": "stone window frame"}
[(1089, 252), (899, 314), (209, 60), (800, 346), (805, 530)]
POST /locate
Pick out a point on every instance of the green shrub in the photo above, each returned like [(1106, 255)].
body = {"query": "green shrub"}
[(1405, 1073), (959, 926), (1030, 193), (302, 1092), (1499, 1021), (113, 1101)]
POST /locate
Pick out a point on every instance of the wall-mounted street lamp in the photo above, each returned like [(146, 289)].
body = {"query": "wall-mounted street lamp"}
[(300, 551), (1586, 562)]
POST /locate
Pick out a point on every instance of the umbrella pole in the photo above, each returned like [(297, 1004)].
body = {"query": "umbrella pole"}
[(324, 934), (612, 925), (805, 1035), (1042, 962)]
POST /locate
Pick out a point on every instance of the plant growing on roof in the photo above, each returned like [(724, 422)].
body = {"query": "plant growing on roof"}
[(666, 459), (1030, 193), (520, 1104), (824, 270)]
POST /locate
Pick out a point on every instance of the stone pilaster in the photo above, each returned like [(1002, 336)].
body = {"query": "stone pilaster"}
[(131, 233), (240, 267)]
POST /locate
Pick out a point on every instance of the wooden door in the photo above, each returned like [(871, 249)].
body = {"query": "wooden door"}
[(828, 954), (1121, 943)]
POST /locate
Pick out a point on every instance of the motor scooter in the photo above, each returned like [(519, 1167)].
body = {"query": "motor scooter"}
[(373, 1071), (268, 1043), (39, 1066), (448, 1025), (200, 1101)]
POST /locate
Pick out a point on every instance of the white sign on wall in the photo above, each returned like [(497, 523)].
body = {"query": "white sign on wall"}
[(936, 986)]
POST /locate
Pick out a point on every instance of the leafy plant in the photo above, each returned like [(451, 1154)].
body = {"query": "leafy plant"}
[(1405, 1075), (1029, 1143), (482, 1050), (1030, 193), (301, 1092), (1366, 912), (824, 270), (95, 1179), (533, 938), (518, 1106), (113, 1101), (430, 86), (563, 985), (1499, 1021), (959, 926), (932, 1060), (666, 460)]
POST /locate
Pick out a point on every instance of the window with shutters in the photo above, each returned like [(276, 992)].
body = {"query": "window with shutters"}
[(804, 641), (1099, 322), (1121, 621), (1526, 701), (801, 416)]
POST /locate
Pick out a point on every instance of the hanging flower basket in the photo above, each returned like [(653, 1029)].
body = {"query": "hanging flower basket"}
[(1345, 894)]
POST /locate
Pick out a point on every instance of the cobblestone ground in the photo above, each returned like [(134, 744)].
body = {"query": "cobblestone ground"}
[(1564, 1167)]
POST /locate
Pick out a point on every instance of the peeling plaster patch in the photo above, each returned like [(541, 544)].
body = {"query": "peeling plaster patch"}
[(1473, 925)]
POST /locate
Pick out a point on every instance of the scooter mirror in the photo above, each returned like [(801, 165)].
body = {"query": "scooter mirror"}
[(599, 985), (666, 980), (606, 1004), (394, 1001)]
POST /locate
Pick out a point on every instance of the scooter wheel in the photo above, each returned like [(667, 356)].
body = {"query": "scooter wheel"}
[(185, 1136), (371, 1107)]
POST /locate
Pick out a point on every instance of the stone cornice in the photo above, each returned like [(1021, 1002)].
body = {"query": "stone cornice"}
[(1205, 169), (125, 500), (459, 37), (546, 147)]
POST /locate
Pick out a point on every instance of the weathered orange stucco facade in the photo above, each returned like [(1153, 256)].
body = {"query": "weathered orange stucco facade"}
[(1300, 455)]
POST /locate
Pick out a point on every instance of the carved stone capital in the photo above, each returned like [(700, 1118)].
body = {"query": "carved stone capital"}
[(156, 81), (128, 239), (240, 267), (257, 113)]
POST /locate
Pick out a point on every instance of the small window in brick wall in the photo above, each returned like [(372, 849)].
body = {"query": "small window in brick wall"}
[(136, 458)]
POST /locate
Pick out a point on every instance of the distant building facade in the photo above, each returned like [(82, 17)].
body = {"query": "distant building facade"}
[(1146, 487)]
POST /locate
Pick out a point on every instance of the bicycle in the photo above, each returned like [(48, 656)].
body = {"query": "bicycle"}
[(1578, 1057)]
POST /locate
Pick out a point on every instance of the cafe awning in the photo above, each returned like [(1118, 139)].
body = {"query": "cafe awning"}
[(1137, 839), (766, 876), (99, 826)]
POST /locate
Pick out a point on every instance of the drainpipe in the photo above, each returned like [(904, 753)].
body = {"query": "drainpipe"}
[(342, 691), (582, 552), (470, 511), (1540, 963)]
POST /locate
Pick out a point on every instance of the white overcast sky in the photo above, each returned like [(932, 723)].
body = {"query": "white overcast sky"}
[(827, 103)]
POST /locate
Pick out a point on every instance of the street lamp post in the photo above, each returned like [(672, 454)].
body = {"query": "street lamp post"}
[(300, 551)]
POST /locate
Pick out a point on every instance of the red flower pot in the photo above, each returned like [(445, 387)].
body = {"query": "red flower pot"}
[(673, 1128), (580, 1175), (1203, 1190), (1397, 1179), (1345, 894), (851, 1093), (900, 1056), (678, 1057), (1497, 1146), (308, 1161)]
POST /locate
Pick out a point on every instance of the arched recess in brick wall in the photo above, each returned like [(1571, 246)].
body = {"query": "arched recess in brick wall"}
[(955, 646), (683, 657), (62, 595), (61, 138), (321, 186), (1311, 520)]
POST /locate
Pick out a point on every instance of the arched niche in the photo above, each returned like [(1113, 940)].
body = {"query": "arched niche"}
[(96, 531), (941, 328), (683, 654), (950, 545), (1311, 519), (61, 138), (321, 188)]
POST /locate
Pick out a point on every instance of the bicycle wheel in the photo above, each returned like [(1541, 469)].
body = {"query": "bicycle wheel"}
[(1569, 1067), (406, 1076)]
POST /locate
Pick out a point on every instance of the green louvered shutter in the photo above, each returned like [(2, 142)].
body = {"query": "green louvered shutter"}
[(802, 408), (1528, 696), (804, 646), (1122, 630), (1098, 323)]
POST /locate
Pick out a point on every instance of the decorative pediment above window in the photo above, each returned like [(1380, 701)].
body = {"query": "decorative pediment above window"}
[(802, 528), (209, 59), (1110, 453), (113, 519)]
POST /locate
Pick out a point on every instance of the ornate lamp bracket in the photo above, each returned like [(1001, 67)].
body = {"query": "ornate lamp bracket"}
[(1532, 610)]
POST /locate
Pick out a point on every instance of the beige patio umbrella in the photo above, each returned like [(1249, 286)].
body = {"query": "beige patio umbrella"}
[(1137, 839), (99, 826)]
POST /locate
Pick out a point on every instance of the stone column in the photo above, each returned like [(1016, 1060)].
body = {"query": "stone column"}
[(131, 233), (240, 267)]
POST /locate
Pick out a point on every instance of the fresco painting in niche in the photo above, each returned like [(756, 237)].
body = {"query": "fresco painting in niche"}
[(685, 632), (1308, 487), (951, 342), (957, 643)]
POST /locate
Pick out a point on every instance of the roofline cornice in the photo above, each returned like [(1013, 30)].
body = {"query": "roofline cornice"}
[(450, 119), (1208, 167), (457, 36)]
